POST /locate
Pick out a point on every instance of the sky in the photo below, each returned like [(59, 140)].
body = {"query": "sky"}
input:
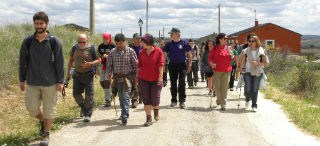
[(195, 18)]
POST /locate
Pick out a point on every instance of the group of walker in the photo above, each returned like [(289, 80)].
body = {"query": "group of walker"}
[(124, 70)]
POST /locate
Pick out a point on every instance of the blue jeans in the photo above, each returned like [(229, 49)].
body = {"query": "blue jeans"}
[(252, 88), (124, 98)]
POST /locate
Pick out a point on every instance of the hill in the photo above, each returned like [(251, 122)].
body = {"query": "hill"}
[(307, 37)]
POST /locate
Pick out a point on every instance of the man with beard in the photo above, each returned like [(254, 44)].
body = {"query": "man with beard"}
[(41, 66), (85, 58)]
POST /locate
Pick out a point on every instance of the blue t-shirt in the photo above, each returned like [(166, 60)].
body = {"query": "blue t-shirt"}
[(177, 50), (136, 49)]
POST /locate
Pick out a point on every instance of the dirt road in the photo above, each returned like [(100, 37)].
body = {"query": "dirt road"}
[(195, 125)]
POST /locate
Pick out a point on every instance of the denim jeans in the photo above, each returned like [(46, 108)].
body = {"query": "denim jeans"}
[(251, 88), (124, 98)]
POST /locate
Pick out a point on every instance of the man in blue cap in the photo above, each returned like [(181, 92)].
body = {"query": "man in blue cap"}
[(177, 49)]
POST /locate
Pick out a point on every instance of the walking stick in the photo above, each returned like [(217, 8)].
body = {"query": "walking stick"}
[(114, 103), (211, 101), (241, 75)]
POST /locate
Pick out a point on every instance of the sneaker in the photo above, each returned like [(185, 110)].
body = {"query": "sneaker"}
[(223, 107), (214, 94), (254, 109), (164, 84), (190, 87), (202, 80), (173, 104), (182, 105), (247, 104), (210, 92), (86, 119), (134, 104), (195, 83), (124, 122), (108, 104), (45, 139), (156, 114), (41, 131), (231, 89), (149, 121)]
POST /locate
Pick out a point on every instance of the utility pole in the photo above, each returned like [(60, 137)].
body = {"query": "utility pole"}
[(121, 30), (159, 34), (147, 16), (219, 19), (91, 17)]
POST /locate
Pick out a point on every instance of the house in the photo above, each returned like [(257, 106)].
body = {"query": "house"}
[(273, 36)]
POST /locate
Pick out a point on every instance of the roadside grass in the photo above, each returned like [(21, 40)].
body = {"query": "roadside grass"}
[(18, 128), (299, 109)]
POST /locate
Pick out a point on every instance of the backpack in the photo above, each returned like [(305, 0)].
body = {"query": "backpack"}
[(29, 39), (93, 53)]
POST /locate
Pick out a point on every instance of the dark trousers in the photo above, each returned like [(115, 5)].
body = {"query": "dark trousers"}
[(194, 71), (252, 88), (178, 71), (165, 79), (232, 76), (85, 84)]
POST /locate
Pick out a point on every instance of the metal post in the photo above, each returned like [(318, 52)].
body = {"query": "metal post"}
[(147, 16)]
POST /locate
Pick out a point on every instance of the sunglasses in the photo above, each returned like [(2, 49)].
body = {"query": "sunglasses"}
[(251, 41), (82, 42)]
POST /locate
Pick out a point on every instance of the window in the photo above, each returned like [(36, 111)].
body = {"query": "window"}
[(269, 44)]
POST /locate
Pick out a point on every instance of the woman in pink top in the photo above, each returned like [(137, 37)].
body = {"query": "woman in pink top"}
[(150, 72), (220, 60)]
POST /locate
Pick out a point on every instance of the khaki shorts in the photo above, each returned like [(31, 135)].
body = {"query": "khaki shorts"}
[(37, 94)]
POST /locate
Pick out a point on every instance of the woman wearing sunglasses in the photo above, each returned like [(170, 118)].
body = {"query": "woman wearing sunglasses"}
[(252, 66), (220, 60)]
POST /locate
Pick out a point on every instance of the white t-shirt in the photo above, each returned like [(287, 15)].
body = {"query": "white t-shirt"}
[(254, 55)]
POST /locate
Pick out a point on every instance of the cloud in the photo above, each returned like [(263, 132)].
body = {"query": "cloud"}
[(195, 18)]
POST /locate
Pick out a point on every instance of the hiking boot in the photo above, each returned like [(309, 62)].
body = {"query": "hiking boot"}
[(108, 104), (149, 121), (182, 105), (45, 139), (173, 104), (134, 104), (223, 107), (254, 109), (214, 94), (86, 119), (41, 131), (124, 122), (247, 104), (195, 83), (210, 92), (156, 114)]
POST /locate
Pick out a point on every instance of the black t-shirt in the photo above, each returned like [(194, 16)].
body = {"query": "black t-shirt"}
[(102, 49)]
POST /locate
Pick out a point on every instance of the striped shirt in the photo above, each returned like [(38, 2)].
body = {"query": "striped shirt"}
[(122, 62)]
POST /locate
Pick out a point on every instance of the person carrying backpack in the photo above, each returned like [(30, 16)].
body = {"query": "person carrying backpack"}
[(195, 65), (220, 60), (177, 49), (104, 50), (84, 58), (41, 73)]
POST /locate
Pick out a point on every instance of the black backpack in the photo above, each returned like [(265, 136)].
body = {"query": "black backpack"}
[(29, 39), (93, 53)]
